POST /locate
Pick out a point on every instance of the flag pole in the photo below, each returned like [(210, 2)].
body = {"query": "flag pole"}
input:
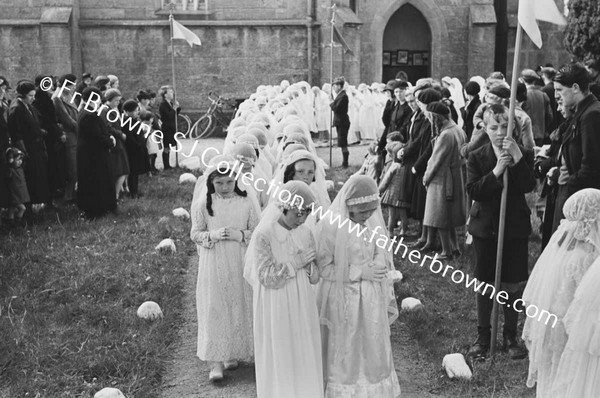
[(502, 224), (331, 86), (173, 75)]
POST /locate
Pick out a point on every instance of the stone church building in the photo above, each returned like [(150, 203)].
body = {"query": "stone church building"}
[(246, 43)]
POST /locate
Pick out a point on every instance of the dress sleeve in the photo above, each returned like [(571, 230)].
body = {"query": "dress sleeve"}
[(325, 250), (199, 233), (253, 220), (271, 274)]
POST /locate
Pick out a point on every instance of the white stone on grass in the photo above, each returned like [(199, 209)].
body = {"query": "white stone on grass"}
[(456, 367), (191, 163), (330, 185), (166, 245), (182, 213), (109, 392), (150, 311), (187, 178), (411, 304)]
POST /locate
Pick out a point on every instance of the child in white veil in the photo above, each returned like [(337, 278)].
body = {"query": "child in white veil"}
[(280, 268), (552, 285), (356, 296)]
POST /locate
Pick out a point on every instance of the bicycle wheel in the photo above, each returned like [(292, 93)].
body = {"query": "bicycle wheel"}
[(199, 128), (206, 127), (183, 124)]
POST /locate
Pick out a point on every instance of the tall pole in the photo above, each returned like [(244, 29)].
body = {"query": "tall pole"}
[(173, 76), (331, 85), (502, 224)]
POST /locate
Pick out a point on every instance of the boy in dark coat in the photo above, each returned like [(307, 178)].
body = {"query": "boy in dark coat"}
[(485, 168)]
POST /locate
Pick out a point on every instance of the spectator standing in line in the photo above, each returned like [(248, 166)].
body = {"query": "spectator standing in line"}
[(537, 107), (66, 116), (548, 74), (579, 166), (341, 121)]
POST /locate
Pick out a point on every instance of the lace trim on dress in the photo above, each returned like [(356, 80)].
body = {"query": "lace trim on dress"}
[(271, 274), (388, 387)]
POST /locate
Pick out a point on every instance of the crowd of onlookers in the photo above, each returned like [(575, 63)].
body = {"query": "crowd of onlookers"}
[(78, 141)]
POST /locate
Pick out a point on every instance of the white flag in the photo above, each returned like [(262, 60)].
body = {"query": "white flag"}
[(181, 32), (541, 10)]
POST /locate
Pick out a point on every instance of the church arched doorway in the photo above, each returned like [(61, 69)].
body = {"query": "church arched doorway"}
[(407, 45)]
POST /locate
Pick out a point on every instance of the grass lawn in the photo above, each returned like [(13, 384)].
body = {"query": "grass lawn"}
[(70, 289)]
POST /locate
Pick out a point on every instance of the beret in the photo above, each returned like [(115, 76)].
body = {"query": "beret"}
[(429, 95), (500, 91), (529, 74), (439, 108)]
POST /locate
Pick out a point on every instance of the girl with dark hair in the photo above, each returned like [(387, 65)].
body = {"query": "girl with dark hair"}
[(223, 218), (135, 144), (28, 136)]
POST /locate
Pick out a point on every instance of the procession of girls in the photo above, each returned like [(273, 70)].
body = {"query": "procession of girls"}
[(260, 253)]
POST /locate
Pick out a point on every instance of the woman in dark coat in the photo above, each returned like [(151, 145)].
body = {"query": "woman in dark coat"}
[(169, 109), (95, 185), (135, 144), (55, 139), (28, 136), (119, 159), (4, 144)]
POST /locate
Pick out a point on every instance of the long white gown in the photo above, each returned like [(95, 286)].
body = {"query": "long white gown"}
[(358, 364), (578, 373), (223, 298), (287, 341)]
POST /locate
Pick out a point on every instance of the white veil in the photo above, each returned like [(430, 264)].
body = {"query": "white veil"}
[(569, 253), (269, 217), (362, 191)]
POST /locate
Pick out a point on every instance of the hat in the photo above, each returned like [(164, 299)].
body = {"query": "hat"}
[(101, 81), (391, 85), (500, 90), (438, 108), (529, 75), (340, 80), (429, 95), (86, 75), (472, 88), (4, 82), (111, 94), (69, 76)]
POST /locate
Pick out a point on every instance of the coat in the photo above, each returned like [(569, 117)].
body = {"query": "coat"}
[(581, 146), (400, 119), (339, 106), (538, 108), (136, 149), (26, 134), (4, 145), (486, 191), (66, 115), (95, 186), (386, 118), (469, 113), (445, 206)]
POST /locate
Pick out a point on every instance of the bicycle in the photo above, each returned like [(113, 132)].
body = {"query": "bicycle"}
[(213, 118)]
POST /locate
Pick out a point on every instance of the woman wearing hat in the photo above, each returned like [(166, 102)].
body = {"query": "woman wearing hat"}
[(341, 121), (4, 144), (386, 118), (28, 136), (355, 297), (445, 206), (95, 183), (119, 159)]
